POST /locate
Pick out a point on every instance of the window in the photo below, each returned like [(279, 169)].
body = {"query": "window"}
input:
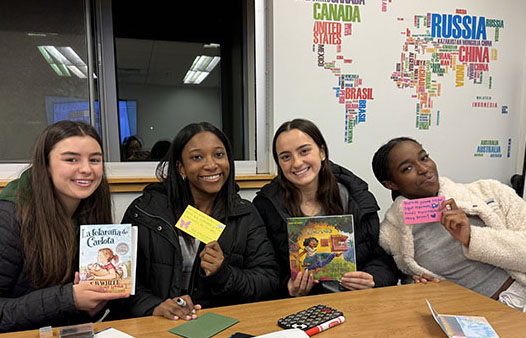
[(44, 70), (186, 66), (64, 59)]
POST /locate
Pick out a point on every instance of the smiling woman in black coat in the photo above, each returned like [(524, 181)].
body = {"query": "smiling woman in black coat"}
[(308, 184), (237, 268)]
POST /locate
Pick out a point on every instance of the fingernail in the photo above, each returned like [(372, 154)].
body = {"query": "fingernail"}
[(193, 311), (176, 317), (188, 317)]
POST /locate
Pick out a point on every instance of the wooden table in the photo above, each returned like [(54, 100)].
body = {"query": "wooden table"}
[(398, 311)]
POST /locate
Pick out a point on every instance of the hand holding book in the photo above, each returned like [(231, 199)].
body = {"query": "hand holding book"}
[(301, 284), (357, 280), (92, 298)]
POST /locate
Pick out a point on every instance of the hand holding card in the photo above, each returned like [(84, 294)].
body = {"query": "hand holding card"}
[(422, 210)]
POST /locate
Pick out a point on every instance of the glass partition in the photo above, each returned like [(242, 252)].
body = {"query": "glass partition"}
[(44, 71)]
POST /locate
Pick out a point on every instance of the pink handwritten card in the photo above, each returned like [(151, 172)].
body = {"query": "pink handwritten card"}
[(422, 210)]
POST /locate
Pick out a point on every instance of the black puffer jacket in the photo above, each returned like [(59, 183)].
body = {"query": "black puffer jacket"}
[(371, 258), (21, 306), (249, 272)]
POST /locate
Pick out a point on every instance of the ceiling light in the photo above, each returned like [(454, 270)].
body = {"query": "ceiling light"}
[(213, 63), (63, 60), (77, 72), (200, 69), (212, 45), (201, 77), (56, 54), (49, 60)]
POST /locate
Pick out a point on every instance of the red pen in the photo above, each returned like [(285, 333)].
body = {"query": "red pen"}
[(325, 326)]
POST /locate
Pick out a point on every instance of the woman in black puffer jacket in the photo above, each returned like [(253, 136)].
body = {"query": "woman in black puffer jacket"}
[(237, 268), (308, 184)]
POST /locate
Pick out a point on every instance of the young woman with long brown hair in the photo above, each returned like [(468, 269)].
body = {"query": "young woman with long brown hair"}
[(40, 214), (308, 184)]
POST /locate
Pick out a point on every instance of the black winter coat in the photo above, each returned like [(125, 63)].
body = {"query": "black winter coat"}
[(249, 272), (21, 306), (370, 257)]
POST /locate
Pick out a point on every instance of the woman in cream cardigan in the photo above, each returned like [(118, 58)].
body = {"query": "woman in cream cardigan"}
[(480, 241)]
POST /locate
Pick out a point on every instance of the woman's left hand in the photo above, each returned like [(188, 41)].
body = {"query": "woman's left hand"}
[(92, 298), (357, 280), (211, 258), (455, 221)]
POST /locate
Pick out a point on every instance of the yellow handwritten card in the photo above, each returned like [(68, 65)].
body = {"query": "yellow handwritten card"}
[(199, 225)]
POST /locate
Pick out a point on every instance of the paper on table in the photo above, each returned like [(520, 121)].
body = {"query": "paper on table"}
[(111, 333), (463, 326), (199, 225), (289, 333)]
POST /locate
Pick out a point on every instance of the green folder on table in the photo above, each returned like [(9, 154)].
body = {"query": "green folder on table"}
[(204, 326)]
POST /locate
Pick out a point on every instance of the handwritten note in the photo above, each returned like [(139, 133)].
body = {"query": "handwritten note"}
[(422, 210), (199, 225)]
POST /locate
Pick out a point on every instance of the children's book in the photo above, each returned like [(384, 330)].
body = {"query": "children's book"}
[(463, 326), (323, 245), (108, 256)]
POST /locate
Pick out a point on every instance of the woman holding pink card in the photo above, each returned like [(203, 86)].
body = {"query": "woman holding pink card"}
[(479, 241)]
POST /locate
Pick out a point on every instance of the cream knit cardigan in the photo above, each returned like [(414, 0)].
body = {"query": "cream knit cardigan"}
[(502, 243)]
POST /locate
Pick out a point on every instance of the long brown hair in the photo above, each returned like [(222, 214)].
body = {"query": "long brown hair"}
[(47, 234), (328, 193)]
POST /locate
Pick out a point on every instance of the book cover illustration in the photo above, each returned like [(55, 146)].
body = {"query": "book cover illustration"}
[(323, 245), (107, 256), (463, 326)]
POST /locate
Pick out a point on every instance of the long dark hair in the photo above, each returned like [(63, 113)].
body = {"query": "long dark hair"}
[(47, 233), (328, 193), (381, 161), (179, 194)]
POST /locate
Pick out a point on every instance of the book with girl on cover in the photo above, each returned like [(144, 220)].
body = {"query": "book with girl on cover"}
[(108, 254), (323, 245)]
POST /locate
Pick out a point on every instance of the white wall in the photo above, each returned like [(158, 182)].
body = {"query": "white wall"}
[(302, 89), (163, 110)]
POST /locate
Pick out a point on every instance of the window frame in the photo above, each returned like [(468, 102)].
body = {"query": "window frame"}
[(257, 87)]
